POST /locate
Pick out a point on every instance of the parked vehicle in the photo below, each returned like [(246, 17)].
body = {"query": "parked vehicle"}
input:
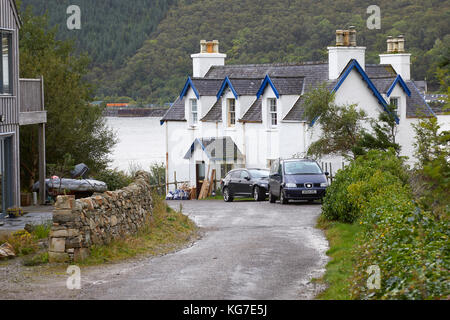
[(245, 183), (296, 179)]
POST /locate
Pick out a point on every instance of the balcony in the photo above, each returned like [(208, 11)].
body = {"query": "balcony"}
[(32, 109)]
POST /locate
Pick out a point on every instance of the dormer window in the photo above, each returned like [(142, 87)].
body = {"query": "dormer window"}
[(273, 115), (231, 112), (194, 111), (6, 63), (395, 101)]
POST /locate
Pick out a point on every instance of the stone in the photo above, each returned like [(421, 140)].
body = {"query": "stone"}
[(58, 257), (63, 216), (81, 254), (59, 233), (7, 251), (73, 232), (65, 202), (57, 245)]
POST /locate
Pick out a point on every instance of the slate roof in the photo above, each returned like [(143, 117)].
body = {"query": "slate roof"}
[(207, 87), (416, 105), (246, 87), (289, 85), (297, 111), (288, 79), (215, 113), (253, 113), (221, 148), (175, 112)]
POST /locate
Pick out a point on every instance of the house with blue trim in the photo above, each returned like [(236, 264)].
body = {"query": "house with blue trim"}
[(256, 110)]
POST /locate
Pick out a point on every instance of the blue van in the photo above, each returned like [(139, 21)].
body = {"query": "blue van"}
[(296, 179)]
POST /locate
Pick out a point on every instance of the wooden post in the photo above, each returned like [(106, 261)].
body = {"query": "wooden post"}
[(175, 180), (41, 146), (331, 173)]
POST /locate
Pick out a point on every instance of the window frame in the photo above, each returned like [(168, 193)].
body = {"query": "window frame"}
[(8, 35), (397, 104), (231, 115), (193, 115), (272, 114)]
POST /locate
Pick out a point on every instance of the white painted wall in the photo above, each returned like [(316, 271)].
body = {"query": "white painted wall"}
[(202, 62), (338, 58), (401, 62)]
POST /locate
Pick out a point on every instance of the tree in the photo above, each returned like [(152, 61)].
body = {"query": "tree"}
[(433, 154), (341, 125), (74, 127), (383, 136)]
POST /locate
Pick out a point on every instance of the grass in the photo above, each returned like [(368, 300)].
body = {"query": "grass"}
[(342, 239), (24, 242), (167, 231)]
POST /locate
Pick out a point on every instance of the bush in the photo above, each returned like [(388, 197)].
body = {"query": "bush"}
[(353, 184), (409, 245), (114, 179)]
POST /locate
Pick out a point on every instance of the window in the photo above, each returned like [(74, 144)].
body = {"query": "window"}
[(273, 117), (194, 112), (231, 112), (6, 63), (225, 168), (301, 167), (244, 175), (395, 101)]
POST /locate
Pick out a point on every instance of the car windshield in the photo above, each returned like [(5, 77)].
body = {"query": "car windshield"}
[(301, 167), (258, 174)]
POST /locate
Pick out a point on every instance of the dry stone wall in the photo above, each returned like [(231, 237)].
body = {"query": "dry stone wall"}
[(79, 224)]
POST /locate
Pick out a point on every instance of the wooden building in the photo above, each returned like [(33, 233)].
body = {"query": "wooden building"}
[(21, 103)]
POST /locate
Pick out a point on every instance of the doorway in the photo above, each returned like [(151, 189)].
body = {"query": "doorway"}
[(199, 176), (6, 185)]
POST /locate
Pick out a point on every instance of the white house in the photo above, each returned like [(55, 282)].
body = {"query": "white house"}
[(249, 115)]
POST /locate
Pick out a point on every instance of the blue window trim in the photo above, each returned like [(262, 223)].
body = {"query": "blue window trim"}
[(399, 79), (189, 84), (264, 84), (353, 64), (226, 82)]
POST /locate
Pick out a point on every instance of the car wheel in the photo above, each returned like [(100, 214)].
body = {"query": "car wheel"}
[(226, 195), (283, 199), (256, 194), (272, 198)]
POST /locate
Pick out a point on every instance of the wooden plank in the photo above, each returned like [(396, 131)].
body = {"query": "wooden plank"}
[(211, 181)]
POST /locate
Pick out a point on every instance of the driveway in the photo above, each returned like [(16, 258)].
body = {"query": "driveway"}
[(248, 251)]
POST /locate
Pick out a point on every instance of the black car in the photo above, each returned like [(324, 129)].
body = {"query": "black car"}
[(245, 183), (296, 179)]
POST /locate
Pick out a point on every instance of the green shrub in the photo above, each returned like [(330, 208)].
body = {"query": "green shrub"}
[(409, 245), (114, 179), (353, 184)]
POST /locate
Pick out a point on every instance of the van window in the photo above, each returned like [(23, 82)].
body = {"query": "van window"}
[(301, 167)]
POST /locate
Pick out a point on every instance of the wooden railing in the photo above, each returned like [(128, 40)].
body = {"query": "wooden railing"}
[(31, 95)]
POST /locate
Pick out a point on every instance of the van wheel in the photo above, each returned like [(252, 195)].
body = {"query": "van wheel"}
[(226, 195), (272, 198)]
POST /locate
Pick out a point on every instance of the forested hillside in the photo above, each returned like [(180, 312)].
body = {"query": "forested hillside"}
[(249, 31), (111, 30)]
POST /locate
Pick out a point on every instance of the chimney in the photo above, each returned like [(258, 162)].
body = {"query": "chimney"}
[(345, 50), (396, 56), (209, 56)]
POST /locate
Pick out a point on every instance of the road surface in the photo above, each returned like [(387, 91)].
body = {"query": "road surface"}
[(248, 250)]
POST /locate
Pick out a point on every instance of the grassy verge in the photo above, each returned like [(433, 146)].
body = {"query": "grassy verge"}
[(342, 239), (167, 231)]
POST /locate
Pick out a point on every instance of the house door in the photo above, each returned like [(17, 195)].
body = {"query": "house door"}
[(199, 176), (6, 189)]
